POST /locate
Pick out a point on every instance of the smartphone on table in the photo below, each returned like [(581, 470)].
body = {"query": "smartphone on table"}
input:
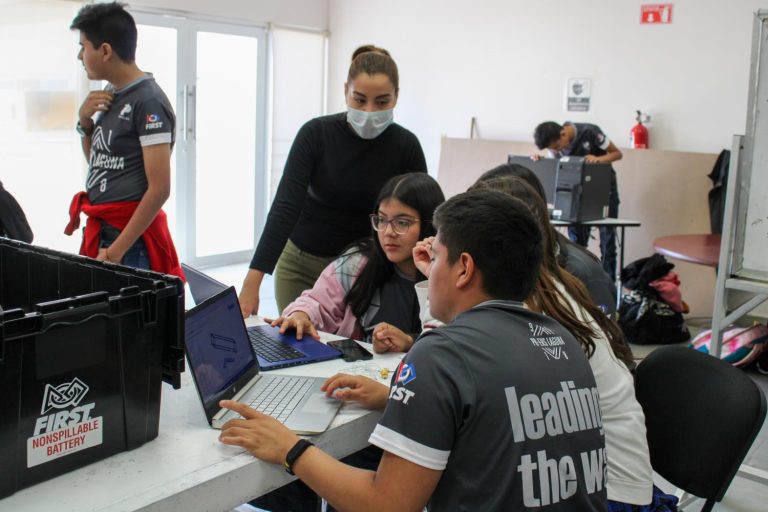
[(350, 350)]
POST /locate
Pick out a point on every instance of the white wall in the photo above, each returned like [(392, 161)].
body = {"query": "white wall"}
[(303, 13), (507, 61), (298, 92)]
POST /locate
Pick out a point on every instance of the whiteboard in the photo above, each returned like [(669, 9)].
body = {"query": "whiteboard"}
[(751, 234)]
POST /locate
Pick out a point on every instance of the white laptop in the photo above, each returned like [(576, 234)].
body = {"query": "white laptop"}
[(224, 367)]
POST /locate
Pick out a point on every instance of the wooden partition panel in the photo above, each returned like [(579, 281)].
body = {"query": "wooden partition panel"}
[(665, 190), (462, 161)]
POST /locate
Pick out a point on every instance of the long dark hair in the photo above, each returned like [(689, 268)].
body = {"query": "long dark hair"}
[(546, 295), (416, 190)]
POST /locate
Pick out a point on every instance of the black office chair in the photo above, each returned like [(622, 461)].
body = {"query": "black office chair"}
[(702, 415)]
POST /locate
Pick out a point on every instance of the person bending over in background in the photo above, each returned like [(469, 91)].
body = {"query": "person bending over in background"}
[(589, 141), (336, 166)]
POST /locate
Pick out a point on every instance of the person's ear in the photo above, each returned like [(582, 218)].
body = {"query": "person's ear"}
[(106, 52), (465, 270), (346, 89)]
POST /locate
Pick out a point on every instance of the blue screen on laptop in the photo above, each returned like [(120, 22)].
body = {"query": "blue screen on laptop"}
[(218, 347)]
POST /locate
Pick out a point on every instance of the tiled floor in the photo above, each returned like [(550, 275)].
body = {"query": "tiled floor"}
[(743, 495)]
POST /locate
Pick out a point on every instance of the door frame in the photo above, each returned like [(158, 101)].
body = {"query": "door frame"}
[(187, 26)]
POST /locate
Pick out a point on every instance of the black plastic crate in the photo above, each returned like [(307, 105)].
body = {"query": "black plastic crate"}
[(84, 347)]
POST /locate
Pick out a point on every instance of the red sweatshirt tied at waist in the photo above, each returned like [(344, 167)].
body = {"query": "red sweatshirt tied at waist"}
[(157, 237)]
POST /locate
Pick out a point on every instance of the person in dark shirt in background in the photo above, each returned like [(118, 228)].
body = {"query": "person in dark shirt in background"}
[(589, 141), (335, 169)]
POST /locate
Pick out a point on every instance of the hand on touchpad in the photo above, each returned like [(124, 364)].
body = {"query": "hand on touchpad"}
[(318, 403)]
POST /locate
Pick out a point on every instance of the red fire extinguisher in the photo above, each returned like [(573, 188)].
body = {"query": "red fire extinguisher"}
[(638, 135)]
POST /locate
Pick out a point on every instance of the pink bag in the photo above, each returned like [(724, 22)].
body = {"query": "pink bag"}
[(741, 345)]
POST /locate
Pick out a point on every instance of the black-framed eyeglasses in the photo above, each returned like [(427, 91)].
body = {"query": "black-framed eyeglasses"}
[(400, 225)]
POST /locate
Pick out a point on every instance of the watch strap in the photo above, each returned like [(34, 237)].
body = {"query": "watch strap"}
[(82, 131), (294, 453)]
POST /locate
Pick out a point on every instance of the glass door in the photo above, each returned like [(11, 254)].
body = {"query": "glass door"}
[(225, 127), (156, 53), (221, 133)]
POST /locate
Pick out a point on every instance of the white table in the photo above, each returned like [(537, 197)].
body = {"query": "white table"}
[(185, 467)]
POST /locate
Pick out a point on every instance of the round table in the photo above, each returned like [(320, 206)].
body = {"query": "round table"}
[(699, 249)]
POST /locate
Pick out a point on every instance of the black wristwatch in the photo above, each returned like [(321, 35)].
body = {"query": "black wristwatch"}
[(294, 454), (82, 131)]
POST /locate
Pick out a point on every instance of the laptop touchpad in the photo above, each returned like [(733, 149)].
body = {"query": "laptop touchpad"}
[(317, 403)]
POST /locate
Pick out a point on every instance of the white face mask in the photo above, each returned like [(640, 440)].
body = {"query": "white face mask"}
[(369, 125)]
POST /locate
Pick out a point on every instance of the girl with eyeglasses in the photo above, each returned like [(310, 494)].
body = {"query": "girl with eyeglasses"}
[(336, 166), (368, 293)]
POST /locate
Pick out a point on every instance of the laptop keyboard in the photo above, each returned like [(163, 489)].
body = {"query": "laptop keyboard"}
[(271, 349), (280, 396)]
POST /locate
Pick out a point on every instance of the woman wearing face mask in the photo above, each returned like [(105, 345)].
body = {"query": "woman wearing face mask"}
[(336, 167)]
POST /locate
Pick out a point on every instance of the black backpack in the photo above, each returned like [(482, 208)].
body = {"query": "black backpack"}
[(13, 222), (643, 315)]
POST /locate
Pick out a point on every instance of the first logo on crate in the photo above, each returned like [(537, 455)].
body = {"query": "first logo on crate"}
[(68, 429), (63, 395)]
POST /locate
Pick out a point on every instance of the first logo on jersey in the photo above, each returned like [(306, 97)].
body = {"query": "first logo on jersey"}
[(153, 122), (407, 374)]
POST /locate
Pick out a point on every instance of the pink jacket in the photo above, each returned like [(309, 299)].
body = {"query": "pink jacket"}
[(669, 289), (324, 303)]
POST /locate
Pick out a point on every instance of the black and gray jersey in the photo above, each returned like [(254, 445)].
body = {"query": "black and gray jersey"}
[(503, 402), (140, 116)]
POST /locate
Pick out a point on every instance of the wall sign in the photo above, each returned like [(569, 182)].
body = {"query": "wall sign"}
[(578, 94), (655, 14)]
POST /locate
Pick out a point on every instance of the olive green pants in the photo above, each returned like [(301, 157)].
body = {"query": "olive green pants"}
[(296, 271)]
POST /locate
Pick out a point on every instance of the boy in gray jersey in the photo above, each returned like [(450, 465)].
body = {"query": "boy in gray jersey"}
[(127, 134), (496, 411)]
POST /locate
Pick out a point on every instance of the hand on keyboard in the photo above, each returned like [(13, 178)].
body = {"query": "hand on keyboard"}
[(297, 320), (263, 436)]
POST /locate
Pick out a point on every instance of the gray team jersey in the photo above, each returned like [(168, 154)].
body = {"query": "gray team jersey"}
[(140, 115), (503, 401)]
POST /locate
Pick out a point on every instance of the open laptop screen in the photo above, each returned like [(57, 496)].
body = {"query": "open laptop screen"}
[(201, 285), (218, 347)]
